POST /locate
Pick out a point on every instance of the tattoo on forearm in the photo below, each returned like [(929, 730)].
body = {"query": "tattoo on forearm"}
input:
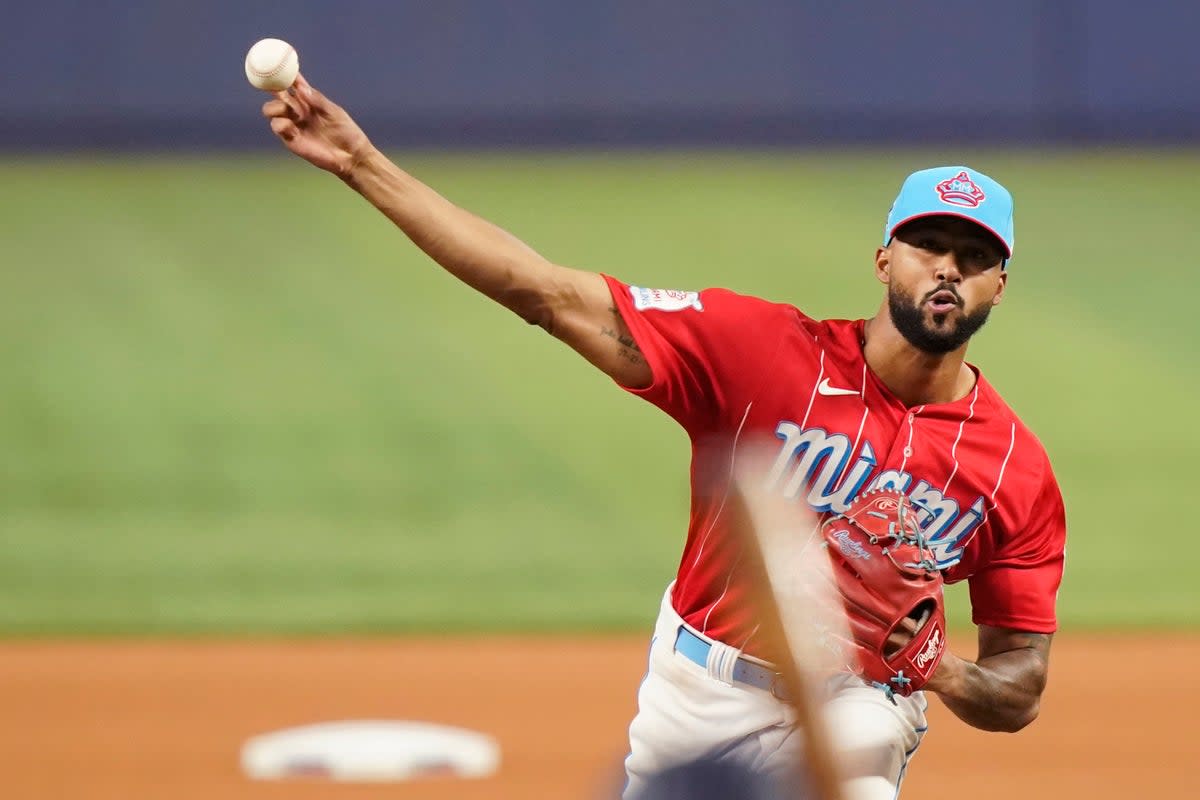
[(624, 339), (627, 347), (629, 356)]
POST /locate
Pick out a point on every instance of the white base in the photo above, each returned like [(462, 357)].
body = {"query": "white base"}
[(370, 750)]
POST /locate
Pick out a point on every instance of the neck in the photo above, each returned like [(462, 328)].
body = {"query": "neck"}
[(912, 375)]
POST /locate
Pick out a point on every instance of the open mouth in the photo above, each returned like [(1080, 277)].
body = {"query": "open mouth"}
[(943, 301)]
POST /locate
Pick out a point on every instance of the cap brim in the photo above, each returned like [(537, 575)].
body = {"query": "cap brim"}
[(967, 217)]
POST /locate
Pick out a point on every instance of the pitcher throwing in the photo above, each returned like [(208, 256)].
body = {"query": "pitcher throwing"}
[(885, 404)]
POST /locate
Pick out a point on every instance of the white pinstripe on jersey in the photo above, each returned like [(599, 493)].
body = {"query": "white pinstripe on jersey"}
[(720, 510), (725, 496), (812, 397), (954, 447), (1012, 443)]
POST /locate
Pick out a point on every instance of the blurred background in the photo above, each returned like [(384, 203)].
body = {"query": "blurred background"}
[(236, 402)]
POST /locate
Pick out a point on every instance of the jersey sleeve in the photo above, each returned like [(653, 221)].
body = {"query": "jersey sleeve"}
[(1019, 588), (708, 351)]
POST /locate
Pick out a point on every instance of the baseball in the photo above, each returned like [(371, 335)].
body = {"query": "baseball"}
[(272, 65)]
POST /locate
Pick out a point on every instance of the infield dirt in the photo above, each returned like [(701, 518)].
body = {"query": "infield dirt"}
[(166, 719)]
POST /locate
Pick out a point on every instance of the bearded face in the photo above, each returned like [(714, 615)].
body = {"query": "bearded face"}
[(944, 274), (936, 323)]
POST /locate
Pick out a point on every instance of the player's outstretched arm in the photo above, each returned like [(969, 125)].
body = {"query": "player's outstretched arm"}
[(1002, 690), (572, 305)]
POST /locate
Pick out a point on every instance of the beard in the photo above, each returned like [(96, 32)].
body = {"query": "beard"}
[(908, 315)]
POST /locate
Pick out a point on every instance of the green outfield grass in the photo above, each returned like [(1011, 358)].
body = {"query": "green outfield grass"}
[(234, 399)]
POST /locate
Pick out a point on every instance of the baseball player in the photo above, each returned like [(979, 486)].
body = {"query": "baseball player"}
[(853, 407)]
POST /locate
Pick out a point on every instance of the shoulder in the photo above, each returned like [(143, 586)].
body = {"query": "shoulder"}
[(1027, 449), (715, 303), (727, 300)]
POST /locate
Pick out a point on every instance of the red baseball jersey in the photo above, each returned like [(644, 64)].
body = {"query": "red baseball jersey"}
[(729, 367)]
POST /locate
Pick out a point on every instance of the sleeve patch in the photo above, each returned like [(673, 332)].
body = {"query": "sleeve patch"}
[(664, 299)]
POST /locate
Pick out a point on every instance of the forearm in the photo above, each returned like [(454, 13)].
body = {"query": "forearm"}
[(1001, 692), (472, 249), (573, 305)]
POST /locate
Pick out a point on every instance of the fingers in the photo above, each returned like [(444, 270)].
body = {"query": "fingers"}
[(304, 89), (302, 85), (284, 128), (277, 108), (925, 615), (905, 631), (286, 106), (299, 102), (313, 99)]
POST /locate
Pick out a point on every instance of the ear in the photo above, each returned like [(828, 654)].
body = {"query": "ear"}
[(883, 264), (996, 298)]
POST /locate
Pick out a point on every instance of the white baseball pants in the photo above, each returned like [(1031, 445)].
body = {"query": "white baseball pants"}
[(687, 711)]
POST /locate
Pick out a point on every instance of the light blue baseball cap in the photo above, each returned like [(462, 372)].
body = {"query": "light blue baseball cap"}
[(956, 192)]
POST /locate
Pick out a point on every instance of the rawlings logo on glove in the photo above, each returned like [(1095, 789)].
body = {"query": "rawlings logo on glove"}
[(891, 588)]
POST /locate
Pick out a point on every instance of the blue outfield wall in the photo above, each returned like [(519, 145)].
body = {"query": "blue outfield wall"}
[(119, 75)]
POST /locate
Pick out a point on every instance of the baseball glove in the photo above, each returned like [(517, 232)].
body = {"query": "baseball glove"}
[(892, 590)]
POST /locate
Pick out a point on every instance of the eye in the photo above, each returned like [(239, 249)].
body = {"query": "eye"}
[(928, 243), (985, 257)]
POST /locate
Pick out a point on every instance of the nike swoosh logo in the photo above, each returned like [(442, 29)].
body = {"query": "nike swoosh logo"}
[(833, 391)]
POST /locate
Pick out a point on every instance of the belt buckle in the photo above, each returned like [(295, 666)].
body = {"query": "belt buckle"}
[(779, 687)]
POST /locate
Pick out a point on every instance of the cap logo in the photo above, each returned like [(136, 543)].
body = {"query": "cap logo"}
[(961, 191)]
